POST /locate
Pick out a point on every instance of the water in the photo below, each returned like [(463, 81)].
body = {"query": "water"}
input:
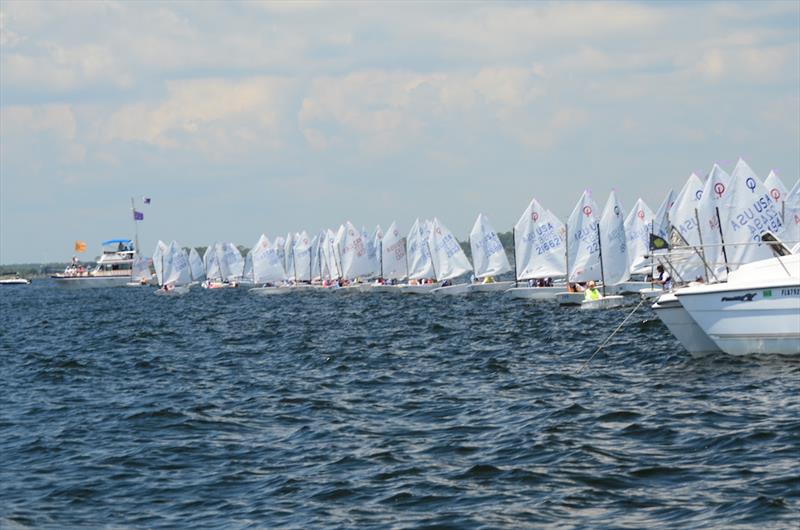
[(318, 410)]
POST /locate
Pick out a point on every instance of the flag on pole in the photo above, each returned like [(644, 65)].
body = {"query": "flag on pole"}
[(658, 243), (146, 200), (80, 246), (138, 216)]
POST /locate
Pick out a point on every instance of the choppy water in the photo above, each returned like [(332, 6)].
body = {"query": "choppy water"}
[(221, 409)]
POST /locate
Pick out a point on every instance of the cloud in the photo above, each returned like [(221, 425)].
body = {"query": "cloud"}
[(226, 115)]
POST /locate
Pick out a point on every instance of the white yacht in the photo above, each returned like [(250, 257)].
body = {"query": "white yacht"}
[(756, 311), (113, 268), (13, 278)]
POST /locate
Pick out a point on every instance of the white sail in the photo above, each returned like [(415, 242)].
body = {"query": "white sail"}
[(393, 254), (661, 222), (288, 256), (355, 261), (791, 215), (746, 212), (267, 264), (776, 188), (176, 266), (141, 268), (449, 260), (316, 256), (279, 244), (584, 247), (488, 256), (714, 189), (540, 243), (688, 264), (231, 262), (420, 265), (247, 272), (158, 260), (302, 257), (638, 225), (330, 255), (372, 251), (614, 244), (196, 266), (212, 263), (377, 237)]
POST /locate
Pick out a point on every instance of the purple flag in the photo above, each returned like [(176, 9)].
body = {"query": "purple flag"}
[(138, 216), (147, 200)]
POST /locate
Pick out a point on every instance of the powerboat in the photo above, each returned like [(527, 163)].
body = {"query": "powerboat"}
[(691, 336), (13, 278), (756, 311), (113, 268)]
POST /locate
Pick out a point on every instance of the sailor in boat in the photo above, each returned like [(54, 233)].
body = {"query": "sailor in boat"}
[(663, 278), (591, 292)]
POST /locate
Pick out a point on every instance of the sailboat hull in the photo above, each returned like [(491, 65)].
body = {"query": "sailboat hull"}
[(606, 302), (490, 287), (452, 290), (535, 293), (417, 289)]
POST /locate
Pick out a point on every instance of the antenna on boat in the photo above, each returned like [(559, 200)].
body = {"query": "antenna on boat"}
[(702, 248), (722, 239)]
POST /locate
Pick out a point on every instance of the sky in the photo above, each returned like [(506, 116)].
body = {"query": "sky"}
[(266, 117)]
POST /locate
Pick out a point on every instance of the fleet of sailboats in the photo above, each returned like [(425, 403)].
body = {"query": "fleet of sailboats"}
[(717, 238)]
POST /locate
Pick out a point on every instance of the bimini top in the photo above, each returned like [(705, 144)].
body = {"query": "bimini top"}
[(112, 241)]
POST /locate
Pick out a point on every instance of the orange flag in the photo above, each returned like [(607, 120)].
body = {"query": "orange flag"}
[(80, 246)]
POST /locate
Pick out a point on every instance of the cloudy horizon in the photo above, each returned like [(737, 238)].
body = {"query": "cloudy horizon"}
[(268, 117)]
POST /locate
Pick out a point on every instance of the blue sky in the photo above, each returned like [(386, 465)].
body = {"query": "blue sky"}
[(245, 118)]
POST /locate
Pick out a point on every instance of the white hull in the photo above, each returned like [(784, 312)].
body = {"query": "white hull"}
[(385, 288), (605, 302), (175, 291), (272, 291), (15, 281), (670, 311), (651, 293), (418, 289), (746, 319), (628, 287), (564, 298), (490, 287), (452, 290), (84, 282), (536, 293)]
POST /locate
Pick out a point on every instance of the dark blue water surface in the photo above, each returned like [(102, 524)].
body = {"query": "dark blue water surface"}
[(323, 410)]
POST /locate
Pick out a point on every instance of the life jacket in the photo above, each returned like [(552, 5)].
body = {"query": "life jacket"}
[(592, 294)]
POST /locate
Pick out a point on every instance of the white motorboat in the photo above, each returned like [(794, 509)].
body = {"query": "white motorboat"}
[(756, 311), (113, 268), (538, 293), (670, 311), (13, 279), (604, 302)]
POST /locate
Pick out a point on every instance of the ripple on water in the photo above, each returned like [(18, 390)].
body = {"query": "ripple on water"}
[(222, 409)]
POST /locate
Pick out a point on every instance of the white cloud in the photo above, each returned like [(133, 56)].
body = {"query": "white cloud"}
[(228, 116)]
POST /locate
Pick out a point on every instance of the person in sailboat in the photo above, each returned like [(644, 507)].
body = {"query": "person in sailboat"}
[(591, 292), (488, 279), (663, 278)]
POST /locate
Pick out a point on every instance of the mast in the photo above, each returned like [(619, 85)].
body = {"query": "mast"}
[(380, 246), (722, 240), (600, 251), (566, 251), (514, 251), (135, 229), (294, 264), (430, 255)]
